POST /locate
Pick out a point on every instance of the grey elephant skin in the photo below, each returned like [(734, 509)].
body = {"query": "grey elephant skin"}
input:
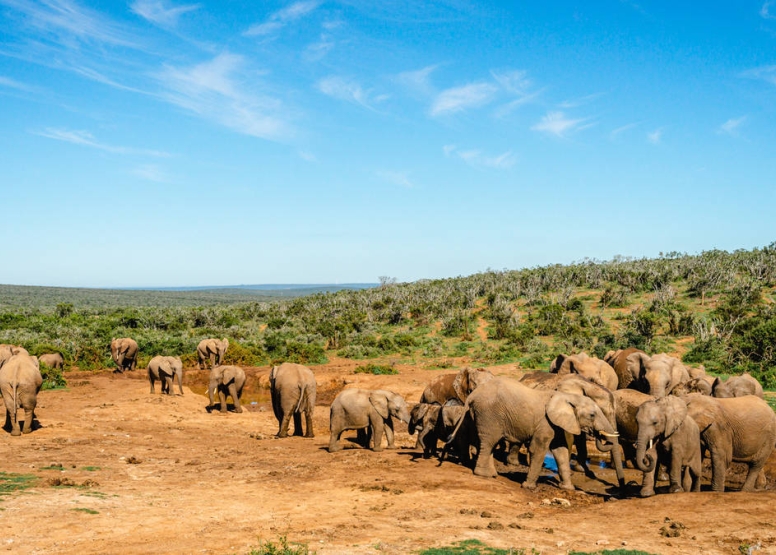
[(166, 369), (455, 386), (53, 360), (356, 409), (737, 386), (666, 423), (627, 372), (505, 409), (124, 353), (293, 390), (226, 380), (20, 381), (740, 429), (212, 350), (7, 351), (423, 420), (658, 374), (594, 369), (626, 405)]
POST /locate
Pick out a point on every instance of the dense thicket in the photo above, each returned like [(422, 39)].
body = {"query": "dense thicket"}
[(717, 308)]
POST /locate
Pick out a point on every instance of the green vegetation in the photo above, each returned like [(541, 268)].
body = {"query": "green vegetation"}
[(281, 548), (716, 308), (474, 547), (375, 369), (612, 552), (90, 468), (85, 510), (10, 483)]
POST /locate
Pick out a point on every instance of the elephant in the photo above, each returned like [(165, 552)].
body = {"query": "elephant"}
[(292, 387), (213, 349), (737, 386), (627, 372), (594, 369), (423, 419), (740, 429), (124, 353), (665, 421), (658, 374), (7, 351), (355, 409), (455, 386), (695, 385), (226, 380), (166, 369), (626, 406), (20, 381), (53, 360), (505, 409)]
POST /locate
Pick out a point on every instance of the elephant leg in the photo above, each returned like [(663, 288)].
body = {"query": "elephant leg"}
[(336, 432), (309, 431), (389, 434), (29, 415), (377, 426), (762, 481), (513, 457), (12, 417), (180, 381), (283, 430), (235, 397), (580, 442), (675, 474), (648, 480), (222, 398), (297, 423), (133, 364), (120, 362), (168, 384), (719, 468), (485, 465), (212, 360), (687, 479), (560, 451), (751, 477), (537, 450), (151, 379)]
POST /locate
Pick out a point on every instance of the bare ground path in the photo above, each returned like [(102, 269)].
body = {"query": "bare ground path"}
[(151, 474)]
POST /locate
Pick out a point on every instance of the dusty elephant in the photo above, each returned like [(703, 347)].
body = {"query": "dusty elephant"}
[(695, 385), (627, 372), (124, 353), (594, 369), (505, 409), (7, 351), (212, 350), (455, 386), (658, 374), (53, 360), (626, 406), (166, 369), (226, 380), (737, 386), (292, 388), (665, 422), (739, 429), (20, 381), (356, 409), (423, 420)]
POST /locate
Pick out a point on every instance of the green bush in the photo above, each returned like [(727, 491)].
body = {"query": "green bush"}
[(281, 548), (375, 369)]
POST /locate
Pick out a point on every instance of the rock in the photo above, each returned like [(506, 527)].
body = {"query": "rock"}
[(486, 514), (495, 525), (602, 542)]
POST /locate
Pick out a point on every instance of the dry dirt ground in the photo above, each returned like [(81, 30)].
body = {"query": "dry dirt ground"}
[(144, 473)]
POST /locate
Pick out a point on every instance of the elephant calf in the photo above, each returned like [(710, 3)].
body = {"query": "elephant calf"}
[(423, 419), (124, 353), (53, 360), (165, 369), (226, 380), (356, 409), (20, 381), (292, 387), (737, 386)]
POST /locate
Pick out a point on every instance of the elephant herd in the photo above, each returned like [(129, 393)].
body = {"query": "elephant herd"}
[(648, 411)]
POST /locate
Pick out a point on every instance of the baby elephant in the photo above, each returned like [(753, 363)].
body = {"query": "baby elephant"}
[(53, 360), (226, 380), (165, 369), (423, 419), (355, 409), (678, 438), (737, 386), (20, 381)]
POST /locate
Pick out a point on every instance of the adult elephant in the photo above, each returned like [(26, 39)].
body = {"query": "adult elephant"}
[(594, 369), (626, 407), (695, 385), (20, 381), (166, 369), (7, 351), (356, 409), (505, 409), (740, 429), (53, 360), (292, 387), (455, 386), (658, 374), (737, 386), (226, 380), (124, 353), (627, 372), (213, 350)]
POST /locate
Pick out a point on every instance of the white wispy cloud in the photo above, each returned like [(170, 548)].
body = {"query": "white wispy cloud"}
[(14, 84), (476, 158), (457, 99), (622, 129), (581, 101), (160, 12), (655, 136), (556, 123), (85, 138), (151, 172), (213, 91), (349, 90), (66, 21), (765, 11), (764, 73), (281, 18), (730, 127), (318, 50), (418, 81), (515, 81), (307, 156), (396, 178)]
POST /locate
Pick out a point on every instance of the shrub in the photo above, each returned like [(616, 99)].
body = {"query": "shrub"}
[(375, 369), (281, 548)]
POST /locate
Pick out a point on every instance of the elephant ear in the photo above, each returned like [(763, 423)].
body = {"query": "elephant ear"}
[(560, 411), (675, 411), (461, 384), (637, 364), (380, 403), (273, 374), (715, 385), (557, 363), (225, 343)]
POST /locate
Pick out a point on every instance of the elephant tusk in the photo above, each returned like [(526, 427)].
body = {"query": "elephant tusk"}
[(650, 444), (607, 434)]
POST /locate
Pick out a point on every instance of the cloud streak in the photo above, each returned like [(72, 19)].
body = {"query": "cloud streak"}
[(458, 99), (281, 18), (730, 127), (348, 90), (655, 136), (160, 13), (400, 179), (476, 158), (84, 138), (558, 125), (765, 11)]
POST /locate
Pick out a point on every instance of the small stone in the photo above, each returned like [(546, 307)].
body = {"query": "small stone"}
[(486, 514), (495, 525), (602, 542), (515, 525), (562, 502), (561, 544)]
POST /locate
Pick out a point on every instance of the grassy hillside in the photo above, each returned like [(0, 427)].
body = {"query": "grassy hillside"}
[(716, 309)]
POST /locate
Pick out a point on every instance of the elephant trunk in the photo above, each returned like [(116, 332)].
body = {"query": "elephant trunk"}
[(644, 460)]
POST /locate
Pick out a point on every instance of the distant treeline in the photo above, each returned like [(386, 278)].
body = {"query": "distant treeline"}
[(716, 308)]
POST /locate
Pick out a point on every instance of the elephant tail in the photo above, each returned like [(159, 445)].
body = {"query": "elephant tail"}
[(302, 397), (15, 406)]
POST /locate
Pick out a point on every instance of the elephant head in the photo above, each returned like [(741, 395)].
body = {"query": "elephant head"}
[(423, 419), (695, 385), (389, 404), (657, 419), (576, 414), (592, 368), (469, 379), (660, 373), (221, 347)]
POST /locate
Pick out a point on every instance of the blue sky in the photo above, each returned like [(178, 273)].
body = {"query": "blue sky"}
[(161, 143)]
